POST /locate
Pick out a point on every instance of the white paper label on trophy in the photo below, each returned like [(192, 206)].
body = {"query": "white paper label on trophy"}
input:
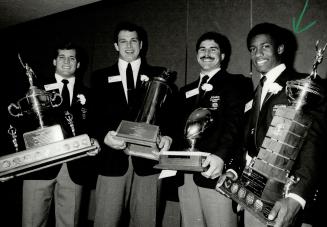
[(167, 173), (112, 79), (50, 87), (248, 106), (191, 93)]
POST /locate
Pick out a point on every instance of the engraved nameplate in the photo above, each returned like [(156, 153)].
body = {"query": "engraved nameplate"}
[(43, 136)]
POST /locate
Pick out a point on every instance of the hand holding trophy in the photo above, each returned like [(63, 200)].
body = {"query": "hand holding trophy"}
[(269, 177), (45, 146), (191, 159), (142, 138)]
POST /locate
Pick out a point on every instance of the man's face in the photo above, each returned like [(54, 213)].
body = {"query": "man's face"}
[(128, 45), (209, 56), (66, 63), (265, 54)]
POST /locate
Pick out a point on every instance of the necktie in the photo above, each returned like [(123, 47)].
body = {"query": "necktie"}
[(65, 94), (201, 91), (257, 96), (130, 82), (256, 109), (203, 81)]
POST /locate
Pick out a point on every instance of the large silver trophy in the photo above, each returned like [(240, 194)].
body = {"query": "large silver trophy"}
[(191, 159), (268, 177), (45, 146), (35, 103), (141, 135)]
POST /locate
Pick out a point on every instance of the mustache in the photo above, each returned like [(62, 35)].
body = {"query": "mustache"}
[(210, 58)]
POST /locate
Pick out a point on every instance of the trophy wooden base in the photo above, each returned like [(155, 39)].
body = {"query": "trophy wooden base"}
[(248, 192), (42, 157), (142, 138), (142, 151), (182, 160)]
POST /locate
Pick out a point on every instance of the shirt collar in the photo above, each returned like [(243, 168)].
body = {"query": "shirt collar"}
[(59, 78), (135, 64), (209, 74), (274, 73)]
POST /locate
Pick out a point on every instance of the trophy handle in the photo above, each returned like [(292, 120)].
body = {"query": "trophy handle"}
[(56, 100), (12, 108)]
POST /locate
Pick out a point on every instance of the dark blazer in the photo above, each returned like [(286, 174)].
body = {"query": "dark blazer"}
[(109, 108), (307, 162), (226, 101), (78, 169)]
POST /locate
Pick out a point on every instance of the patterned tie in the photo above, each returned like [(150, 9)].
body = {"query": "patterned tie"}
[(65, 94), (130, 83)]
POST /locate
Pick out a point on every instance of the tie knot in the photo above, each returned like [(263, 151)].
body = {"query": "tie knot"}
[(64, 81), (204, 79), (263, 80)]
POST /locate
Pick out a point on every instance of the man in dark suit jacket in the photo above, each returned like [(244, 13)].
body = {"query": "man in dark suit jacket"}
[(127, 185), (224, 95), (267, 46), (60, 183)]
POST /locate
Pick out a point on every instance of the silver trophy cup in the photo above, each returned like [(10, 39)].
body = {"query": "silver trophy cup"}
[(34, 104)]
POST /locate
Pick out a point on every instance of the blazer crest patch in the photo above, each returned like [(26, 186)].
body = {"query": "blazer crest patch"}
[(214, 102)]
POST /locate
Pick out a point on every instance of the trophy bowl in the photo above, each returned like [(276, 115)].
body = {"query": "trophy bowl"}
[(304, 92)]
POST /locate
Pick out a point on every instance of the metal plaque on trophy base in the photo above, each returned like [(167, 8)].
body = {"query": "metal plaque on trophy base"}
[(43, 136), (141, 138), (268, 177), (138, 133), (41, 157), (182, 160)]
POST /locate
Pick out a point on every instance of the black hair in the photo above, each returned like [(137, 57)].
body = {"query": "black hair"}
[(275, 32), (67, 45), (128, 26), (280, 36), (221, 40)]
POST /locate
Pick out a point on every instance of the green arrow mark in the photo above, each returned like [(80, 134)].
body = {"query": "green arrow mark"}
[(296, 24)]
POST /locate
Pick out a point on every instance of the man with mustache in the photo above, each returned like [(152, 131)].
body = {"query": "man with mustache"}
[(224, 95)]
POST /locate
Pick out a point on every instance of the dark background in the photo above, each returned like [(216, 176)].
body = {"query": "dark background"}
[(173, 26)]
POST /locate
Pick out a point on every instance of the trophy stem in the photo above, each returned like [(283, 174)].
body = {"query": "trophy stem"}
[(192, 143), (36, 107)]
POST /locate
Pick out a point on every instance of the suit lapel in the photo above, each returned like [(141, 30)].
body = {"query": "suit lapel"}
[(281, 80), (267, 106)]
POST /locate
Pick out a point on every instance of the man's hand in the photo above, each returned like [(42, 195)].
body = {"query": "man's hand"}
[(224, 176), (94, 142), (164, 143), (215, 164), (284, 212), (112, 141)]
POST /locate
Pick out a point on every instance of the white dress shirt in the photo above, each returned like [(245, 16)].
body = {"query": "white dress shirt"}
[(122, 66), (209, 74), (271, 76), (70, 85)]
